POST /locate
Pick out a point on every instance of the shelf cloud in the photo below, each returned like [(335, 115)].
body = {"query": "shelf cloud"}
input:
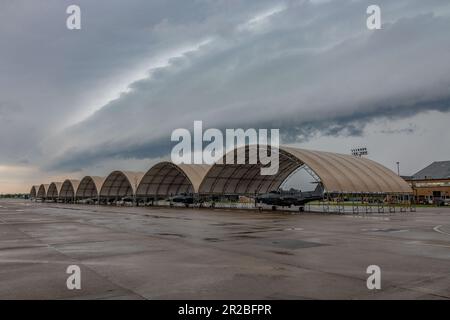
[(118, 87)]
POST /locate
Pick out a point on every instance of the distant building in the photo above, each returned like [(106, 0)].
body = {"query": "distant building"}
[(431, 184)]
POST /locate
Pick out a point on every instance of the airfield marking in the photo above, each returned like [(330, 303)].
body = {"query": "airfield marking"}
[(60, 262), (440, 231)]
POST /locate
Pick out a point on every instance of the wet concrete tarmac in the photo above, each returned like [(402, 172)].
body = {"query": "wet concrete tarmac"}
[(178, 253)]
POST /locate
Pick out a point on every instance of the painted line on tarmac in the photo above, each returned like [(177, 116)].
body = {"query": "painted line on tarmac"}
[(437, 229), (64, 262)]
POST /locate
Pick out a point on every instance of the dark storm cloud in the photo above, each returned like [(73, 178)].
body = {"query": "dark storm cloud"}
[(277, 77), (353, 125), (301, 66), (291, 132), (51, 75)]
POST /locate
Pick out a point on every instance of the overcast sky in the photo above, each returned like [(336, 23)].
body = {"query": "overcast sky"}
[(108, 96)]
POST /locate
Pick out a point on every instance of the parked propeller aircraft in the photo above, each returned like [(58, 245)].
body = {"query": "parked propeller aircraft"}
[(182, 198), (288, 198)]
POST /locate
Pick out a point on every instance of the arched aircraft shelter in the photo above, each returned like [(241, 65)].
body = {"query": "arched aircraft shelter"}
[(339, 173), (42, 192), (33, 192), (168, 179), (89, 187), (119, 185), (54, 190), (68, 190)]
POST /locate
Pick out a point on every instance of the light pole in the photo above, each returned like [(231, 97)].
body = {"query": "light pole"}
[(398, 168)]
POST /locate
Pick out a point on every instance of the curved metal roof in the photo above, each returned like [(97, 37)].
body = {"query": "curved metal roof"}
[(121, 184), (339, 173), (68, 188), (42, 192), (54, 190), (346, 173), (167, 178), (89, 187)]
